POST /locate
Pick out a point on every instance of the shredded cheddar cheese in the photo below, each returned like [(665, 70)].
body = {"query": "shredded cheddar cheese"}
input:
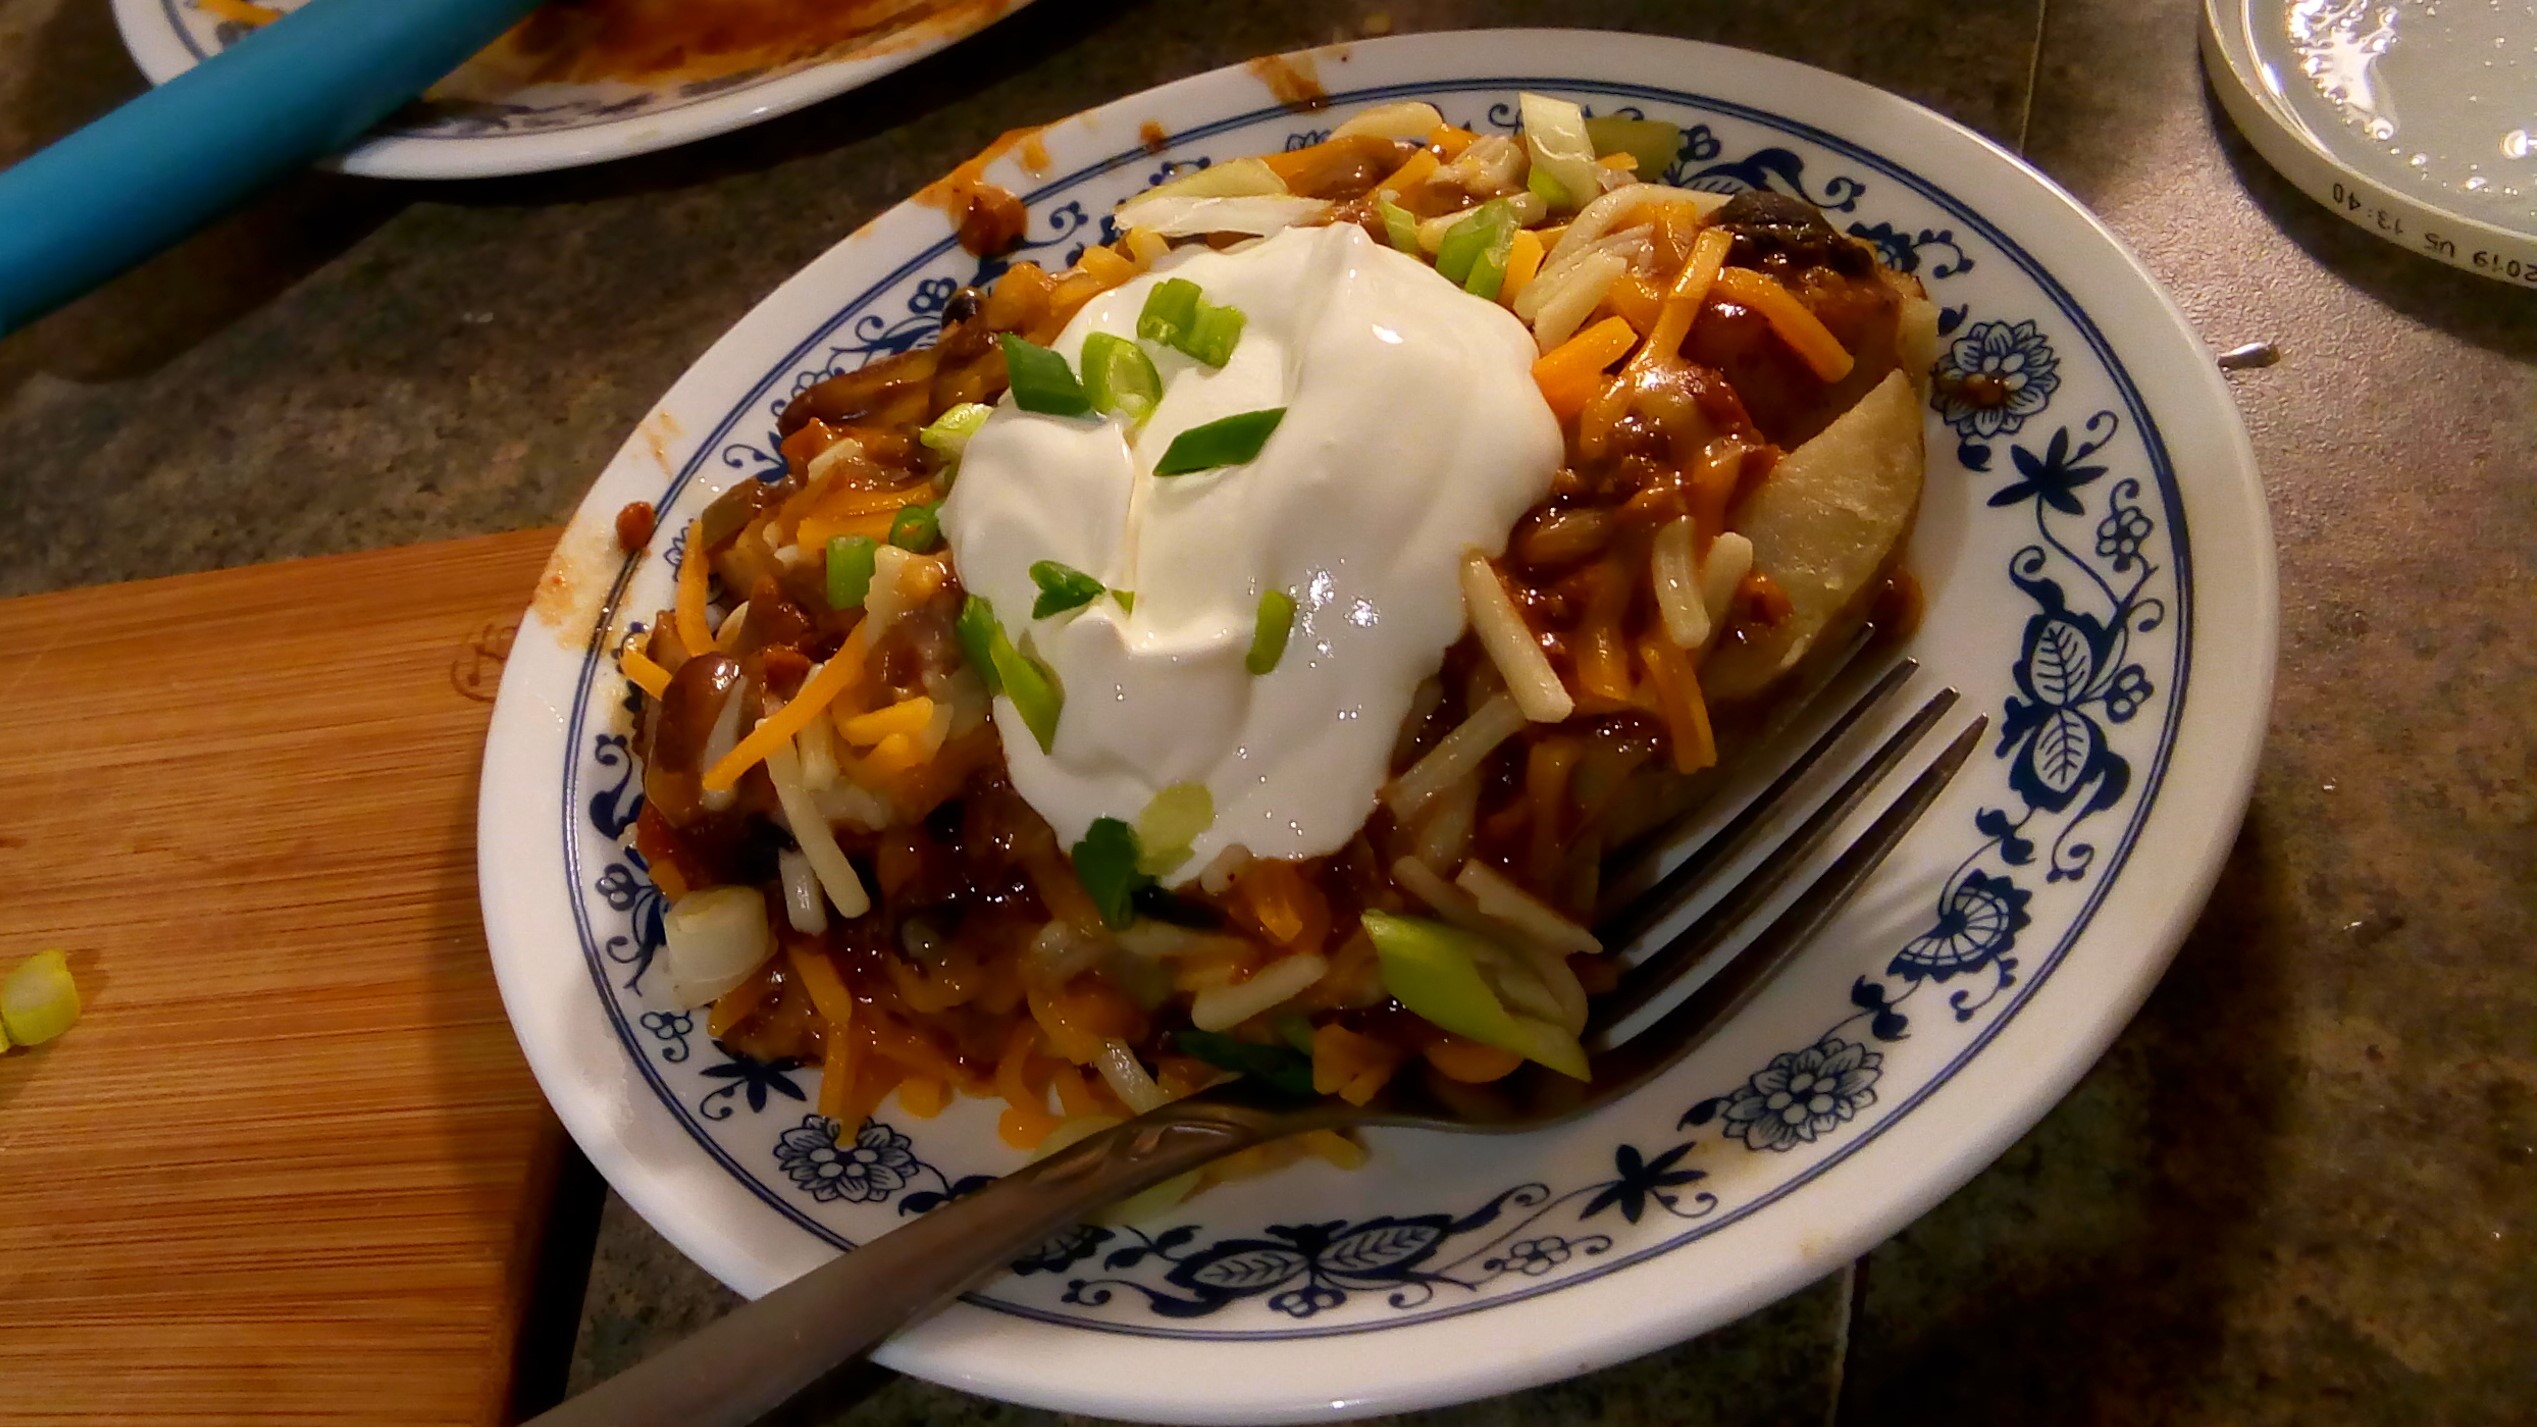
[(831, 679), (1678, 693), (1105, 266), (1795, 323), (1570, 373), (689, 612), (827, 988), (1350, 1065), (642, 672), (1449, 142), (923, 1096), (240, 12), (1523, 261), (1664, 340), (1469, 1061), (1636, 300), (1421, 167), (1026, 1120), (846, 500), (894, 755), (1333, 1148), (1682, 302), (836, 1072), (908, 716)]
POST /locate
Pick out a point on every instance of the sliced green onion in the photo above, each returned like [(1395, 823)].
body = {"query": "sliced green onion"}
[(950, 433), (1061, 588), (1398, 226), (1126, 599), (979, 633), (1211, 340), (1436, 972), (917, 527), (1296, 1029), (1555, 137), (1541, 185), (1488, 271), (38, 1000), (1170, 823), (1652, 142), (1042, 381), (1225, 441), (1270, 629), (1119, 377), (849, 570), (1282, 1068), (1105, 862), (1176, 316), (1171, 309), (1033, 688), (1479, 230)]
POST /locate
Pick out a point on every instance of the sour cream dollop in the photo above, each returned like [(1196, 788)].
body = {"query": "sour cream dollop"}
[(1413, 431)]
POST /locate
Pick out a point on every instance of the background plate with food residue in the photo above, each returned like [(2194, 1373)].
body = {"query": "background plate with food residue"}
[(2415, 120), (582, 81), (2099, 578)]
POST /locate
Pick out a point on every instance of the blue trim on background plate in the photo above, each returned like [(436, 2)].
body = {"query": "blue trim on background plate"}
[(184, 33), (2154, 447)]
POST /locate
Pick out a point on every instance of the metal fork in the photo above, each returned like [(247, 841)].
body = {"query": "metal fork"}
[(764, 1354)]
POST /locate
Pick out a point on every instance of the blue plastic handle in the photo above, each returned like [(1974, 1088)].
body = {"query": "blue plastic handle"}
[(144, 176)]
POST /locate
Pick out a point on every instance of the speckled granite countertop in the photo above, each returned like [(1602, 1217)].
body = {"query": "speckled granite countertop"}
[(2301, 1188)]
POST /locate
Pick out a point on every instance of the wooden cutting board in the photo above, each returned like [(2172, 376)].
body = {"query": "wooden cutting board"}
[(290, 1166)]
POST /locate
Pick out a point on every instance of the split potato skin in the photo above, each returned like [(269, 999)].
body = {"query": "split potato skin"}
[(1826, 526)]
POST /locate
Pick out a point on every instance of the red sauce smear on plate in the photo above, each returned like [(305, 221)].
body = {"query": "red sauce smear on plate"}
[(635, 523), (1292, 80), (990, 219), (1031, 153)]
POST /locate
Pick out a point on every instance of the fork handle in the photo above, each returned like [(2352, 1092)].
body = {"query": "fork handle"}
[(761, 1355)]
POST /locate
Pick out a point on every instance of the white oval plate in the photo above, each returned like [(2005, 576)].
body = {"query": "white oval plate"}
[(552, 126), (2100, 581)]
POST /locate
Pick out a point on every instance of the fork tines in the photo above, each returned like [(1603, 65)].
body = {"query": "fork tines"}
[(1741, 976)]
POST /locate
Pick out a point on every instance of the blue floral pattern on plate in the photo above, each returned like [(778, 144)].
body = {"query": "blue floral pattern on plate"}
[(875, 1164), (1994, 377), (1802, 1095), (2095, 680)]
